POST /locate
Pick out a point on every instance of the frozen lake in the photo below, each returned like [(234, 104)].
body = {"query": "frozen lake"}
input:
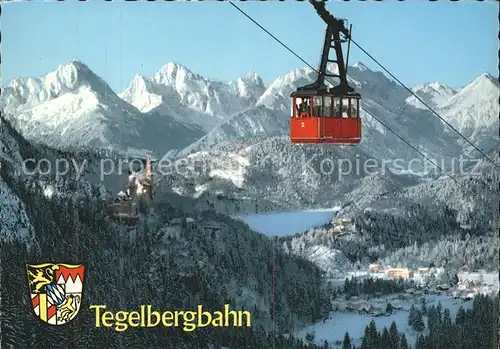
[(288, 223)]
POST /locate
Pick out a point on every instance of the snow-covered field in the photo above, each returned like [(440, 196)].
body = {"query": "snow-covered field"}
[(288, 223), (334, 329)]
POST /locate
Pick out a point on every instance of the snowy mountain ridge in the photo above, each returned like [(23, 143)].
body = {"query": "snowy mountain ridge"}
[(175, 107), (474, 111), (209, 120), (265, 129), (198, 100), (22, 93), (434, 93), (380, 97), (73, 107)]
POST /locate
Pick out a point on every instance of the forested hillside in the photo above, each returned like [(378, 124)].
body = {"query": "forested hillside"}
[(213, 261), (439, 222)]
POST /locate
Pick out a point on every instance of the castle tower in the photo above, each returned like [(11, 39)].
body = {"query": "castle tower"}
[(148, 180)]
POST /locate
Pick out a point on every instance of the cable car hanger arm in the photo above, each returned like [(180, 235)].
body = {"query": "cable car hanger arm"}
[(328, 18), (334, 28)]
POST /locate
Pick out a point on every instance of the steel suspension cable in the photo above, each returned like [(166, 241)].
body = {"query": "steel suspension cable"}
[(376, 61), (375, 118), (425, 104)]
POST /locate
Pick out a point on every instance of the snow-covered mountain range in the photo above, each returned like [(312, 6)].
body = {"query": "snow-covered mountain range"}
[(433, 94), (191, 98), (73, 107), (177, 108), (472, 110), (239, 129)]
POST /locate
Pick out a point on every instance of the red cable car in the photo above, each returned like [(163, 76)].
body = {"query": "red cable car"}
[(327, 115)]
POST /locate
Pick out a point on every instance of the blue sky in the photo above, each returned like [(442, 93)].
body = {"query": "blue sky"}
[(449, 42)]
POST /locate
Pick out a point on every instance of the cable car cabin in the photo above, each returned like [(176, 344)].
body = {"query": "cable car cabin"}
[(321, 114), (325, 118)]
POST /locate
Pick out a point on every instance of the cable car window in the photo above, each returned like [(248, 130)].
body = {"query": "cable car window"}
[(292, 108), (327, 106), (317, 106), (303, 107), (354, 108), (307, 106), (336, 107), (345, 107), (298, 106)]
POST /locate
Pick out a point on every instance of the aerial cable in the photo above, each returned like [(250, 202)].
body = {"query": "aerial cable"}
[(387, 127), (425, 104), (371, 57), (375, 118)]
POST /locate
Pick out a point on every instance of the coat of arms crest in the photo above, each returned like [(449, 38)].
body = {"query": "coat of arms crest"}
[(56, 291)]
